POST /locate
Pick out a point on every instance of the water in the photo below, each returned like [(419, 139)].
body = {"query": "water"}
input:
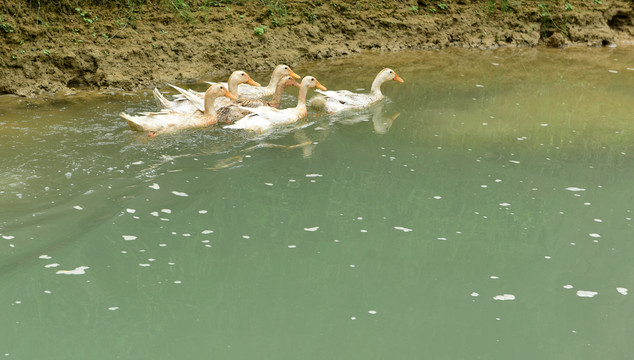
[(482, 211)]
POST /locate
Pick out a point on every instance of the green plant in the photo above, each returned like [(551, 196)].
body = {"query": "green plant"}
[(568, 7), (259, 30), (599, 2), (413, 9), (47, 53), (443, 6), (86, 16), (432, 10), (181, 8), (5, 26), (277, 9)]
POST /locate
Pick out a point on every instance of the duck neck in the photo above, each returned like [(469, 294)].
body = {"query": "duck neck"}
[(210, 110), (301, 98), (375, 90), (274, 80), (276, 100)]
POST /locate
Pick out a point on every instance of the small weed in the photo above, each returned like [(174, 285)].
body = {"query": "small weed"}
[(163, 31), (14, 57), (413, 9), (86, 16), (155, 46), (443, 6), (259, 30), (47, 53), (598, 2), (568, 7), (277, 9), (182, 9), (432, 10), (5, 26)]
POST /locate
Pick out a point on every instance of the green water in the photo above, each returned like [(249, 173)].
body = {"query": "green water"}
[(463, 218)]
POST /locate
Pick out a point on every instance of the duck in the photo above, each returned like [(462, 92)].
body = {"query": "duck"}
[(190, 104), (251, 92), (167, 120), (263, 118), (340, 100), (233, 112)]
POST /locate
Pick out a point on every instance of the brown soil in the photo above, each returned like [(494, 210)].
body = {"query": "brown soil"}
[(86, 44)]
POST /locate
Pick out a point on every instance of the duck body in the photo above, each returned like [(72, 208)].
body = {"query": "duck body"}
[(340, 100), (167, 120), (264, 118)]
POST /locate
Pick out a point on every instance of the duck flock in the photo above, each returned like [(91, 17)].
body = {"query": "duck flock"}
[(240, 104)]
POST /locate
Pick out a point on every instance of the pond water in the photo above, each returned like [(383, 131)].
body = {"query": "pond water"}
[(483, 210)]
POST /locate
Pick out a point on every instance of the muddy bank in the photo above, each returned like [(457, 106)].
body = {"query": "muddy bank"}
[(91, 44)]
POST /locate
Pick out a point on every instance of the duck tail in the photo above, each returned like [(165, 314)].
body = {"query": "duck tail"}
[(161, 100), (318, 101), (130, 119)]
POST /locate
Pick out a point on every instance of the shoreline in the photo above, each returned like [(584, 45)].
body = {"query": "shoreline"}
[(103, 47)]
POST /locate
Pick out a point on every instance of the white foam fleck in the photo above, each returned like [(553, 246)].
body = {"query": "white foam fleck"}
[(479, 85), (268, 184), (8, 237), (179, 193), (113, 308), (543, 124), (514, 161), (167, 211), (144, 265), (130, 211), (177, 282), (154, 213), (292, 246), (129, 237), (505, 204), (372, 312), (154, 186), (45, 257), (47, 291), (313, 175), (246, 237), (138, 162), (187, 235), (494, 277), (207, 232), (81, 270), (403, 229), (475, 294), (547, 257), (574, 188), (568, 286), (586, 293), (437, 197), (613, 71), (202, 211), (504, 297), (353, 318), (498, 180), (315, 228), (622, 290), (442, 238), (595, 235), (598, 220), (51, 265), (78, 207)]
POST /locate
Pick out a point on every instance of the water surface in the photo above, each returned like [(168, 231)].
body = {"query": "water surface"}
[(483, 210)]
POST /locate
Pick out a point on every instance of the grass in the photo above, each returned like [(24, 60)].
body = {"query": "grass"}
[(278, 10)]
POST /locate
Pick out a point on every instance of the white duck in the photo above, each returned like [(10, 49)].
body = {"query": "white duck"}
[(264, 118), (171, 121), (335, 101), (190, 104)]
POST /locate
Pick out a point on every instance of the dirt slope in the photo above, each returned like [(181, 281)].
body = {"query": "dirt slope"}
[(100, 44)]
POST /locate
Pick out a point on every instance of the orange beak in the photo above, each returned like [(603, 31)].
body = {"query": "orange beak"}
[(252, 82), (397, 78), (231, 96), (320, 86), (293, 74)]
